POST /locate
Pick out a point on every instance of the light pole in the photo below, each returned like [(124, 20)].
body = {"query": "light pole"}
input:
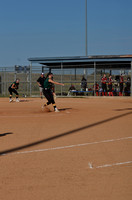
[(86, 49)]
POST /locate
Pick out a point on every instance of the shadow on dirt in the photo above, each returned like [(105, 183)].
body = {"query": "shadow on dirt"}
[(123, 109), (4, 134), (63, 109), (24, 100), (63, 134)]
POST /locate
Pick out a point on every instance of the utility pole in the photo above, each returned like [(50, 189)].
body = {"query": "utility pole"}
[(86, 49)]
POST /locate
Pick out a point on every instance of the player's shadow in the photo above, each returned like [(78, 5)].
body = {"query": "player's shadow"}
[(4, 134), (63, 134), (123, 109), (63, 109), (24, 100)]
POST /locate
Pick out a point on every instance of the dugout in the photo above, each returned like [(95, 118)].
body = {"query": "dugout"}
[(105, 63)]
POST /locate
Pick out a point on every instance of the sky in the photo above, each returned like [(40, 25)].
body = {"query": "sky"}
[(55, 28)]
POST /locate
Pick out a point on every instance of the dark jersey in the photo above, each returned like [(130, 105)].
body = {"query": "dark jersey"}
[(47, 84), (16, 85), (41, 81), (83, 83)]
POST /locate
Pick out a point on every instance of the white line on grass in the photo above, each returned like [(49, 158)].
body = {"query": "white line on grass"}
[(72, 146)]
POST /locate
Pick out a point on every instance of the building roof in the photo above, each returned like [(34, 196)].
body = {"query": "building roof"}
[(106, 61)]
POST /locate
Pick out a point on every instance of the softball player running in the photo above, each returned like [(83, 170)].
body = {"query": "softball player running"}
[(13, 89), (48, 93)]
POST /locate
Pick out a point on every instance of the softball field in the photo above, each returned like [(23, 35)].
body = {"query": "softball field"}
[(83, 152)]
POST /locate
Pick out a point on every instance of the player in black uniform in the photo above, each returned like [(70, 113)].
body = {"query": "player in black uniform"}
[(40, 82), (13, 89), (48, 92)]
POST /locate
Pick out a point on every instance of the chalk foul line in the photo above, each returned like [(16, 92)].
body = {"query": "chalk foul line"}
[(71, 146), (108, 165)]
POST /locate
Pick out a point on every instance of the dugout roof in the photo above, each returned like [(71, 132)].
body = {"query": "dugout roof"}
[(107, 62)]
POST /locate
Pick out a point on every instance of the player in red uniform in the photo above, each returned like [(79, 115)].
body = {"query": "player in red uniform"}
[(110, 86), (121, 85), (96, 88), (104, 86)]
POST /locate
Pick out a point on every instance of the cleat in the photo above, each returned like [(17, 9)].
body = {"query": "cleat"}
[(10, 100), (17, 100), (56, 110)]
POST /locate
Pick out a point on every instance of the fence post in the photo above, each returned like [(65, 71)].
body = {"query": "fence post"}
[(131, 78), (30, 79), (61, 76), (94, 76), (5, 82)]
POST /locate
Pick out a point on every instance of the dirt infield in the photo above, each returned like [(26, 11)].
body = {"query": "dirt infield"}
[(83, 152)]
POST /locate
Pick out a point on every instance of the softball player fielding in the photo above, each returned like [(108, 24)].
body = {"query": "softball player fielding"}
[(13, 89)]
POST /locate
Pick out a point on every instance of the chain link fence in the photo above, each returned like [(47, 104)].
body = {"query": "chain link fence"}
[(70, 77)]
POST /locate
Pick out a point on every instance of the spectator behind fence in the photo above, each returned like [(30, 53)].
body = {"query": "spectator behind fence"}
[(83, 84), (71, 88), (110, 81), (104, 86)]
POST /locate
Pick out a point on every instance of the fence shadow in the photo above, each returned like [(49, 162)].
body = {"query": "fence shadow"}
[(4, 134), (63, 134), (123, 109)]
